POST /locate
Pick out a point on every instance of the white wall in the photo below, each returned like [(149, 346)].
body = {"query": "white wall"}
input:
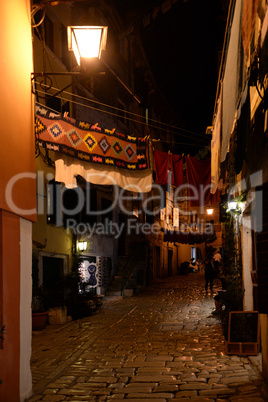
[(25, 308), (247, 262)]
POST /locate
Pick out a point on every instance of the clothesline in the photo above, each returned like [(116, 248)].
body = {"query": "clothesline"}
[(151, 139), (166, 127), (179, 143), (87, 149)]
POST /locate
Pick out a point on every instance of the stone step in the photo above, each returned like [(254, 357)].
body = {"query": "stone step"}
[(126, 292), (113, 293)]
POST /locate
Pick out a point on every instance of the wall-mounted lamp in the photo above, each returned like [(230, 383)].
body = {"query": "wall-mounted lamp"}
[(232, 206), (236, 206), (81, 245), (210, 211), (87, 41)]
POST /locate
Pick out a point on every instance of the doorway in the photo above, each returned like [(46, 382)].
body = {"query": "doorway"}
[(157, 261), (170, 256), (53, 274), (51, 271)]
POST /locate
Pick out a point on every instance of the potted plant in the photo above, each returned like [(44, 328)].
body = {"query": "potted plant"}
[(39, 313)]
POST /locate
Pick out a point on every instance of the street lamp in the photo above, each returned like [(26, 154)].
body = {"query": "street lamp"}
[(81, 245), (87, 41), (232, 206), (210, 211)]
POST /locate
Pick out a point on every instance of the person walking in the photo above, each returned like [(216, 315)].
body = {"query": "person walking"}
[(209, 272), (217, 263)]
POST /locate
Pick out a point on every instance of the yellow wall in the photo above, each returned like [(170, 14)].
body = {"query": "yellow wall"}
[(16, 158), (16, 111), (58, 241)]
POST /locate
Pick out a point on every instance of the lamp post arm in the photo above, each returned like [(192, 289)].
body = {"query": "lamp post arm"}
[(121, 82)]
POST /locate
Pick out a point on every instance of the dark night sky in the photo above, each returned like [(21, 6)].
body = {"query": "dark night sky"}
[(183, 47)]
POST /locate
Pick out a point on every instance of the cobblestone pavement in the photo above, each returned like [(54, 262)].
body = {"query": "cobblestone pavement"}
[(162, 344)]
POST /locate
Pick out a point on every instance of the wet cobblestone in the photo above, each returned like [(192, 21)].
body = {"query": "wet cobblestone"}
[(160, 345)]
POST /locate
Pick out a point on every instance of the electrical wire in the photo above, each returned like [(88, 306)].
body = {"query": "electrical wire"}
[(205, 142), (151, 139), (133, 120), (130, 113), (175, 142)]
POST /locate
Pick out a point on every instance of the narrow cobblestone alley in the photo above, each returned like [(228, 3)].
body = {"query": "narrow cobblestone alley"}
[(159, 345)]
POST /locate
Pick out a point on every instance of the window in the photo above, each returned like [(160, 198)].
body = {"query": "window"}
[(193, 217)]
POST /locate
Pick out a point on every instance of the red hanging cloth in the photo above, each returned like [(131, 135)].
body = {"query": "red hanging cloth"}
[(161, 167), (199, 182), (177, 170)]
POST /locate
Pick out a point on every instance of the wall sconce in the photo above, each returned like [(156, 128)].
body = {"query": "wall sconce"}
[(210, 211), (81, 245), (232, 206), (87, 41)]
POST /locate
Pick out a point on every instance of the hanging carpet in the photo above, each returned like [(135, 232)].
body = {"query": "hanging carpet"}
[(89, 142)]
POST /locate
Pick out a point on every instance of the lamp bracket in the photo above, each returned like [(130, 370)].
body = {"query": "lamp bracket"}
[(46, 81)]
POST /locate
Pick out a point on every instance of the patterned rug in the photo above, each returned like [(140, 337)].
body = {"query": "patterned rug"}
[(89, 142)]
